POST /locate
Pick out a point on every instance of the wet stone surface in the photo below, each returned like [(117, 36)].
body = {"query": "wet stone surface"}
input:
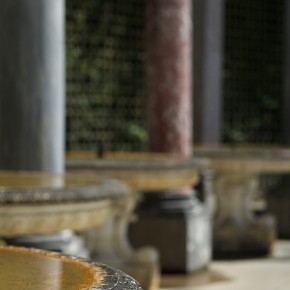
[(22, 268)]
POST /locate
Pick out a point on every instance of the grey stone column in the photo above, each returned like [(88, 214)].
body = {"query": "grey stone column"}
[(32, 85), (207, 63)]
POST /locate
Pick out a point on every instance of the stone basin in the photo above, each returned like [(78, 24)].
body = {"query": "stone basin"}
[(237, 229), (140, 171), (41, 203), (37, 203), (253, 160), (165, 182), (30, 269)]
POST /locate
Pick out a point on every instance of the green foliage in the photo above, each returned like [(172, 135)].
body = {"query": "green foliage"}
[(105, 74)]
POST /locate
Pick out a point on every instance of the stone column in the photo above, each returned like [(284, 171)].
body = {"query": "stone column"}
[(32, 92), (208, 60), (168, 66), (176, 212), (32, 85)]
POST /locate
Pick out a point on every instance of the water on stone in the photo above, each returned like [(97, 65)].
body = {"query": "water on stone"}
[(32, 270)]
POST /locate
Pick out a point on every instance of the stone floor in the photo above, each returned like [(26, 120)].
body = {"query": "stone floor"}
[(270, 273)]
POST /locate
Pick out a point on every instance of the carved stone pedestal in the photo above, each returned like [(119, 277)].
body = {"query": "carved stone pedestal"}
[(143, 264), (109, 244), (238, 230), (181, 218)]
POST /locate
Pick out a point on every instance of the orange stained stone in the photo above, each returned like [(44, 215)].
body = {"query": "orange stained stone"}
[(29, 269)]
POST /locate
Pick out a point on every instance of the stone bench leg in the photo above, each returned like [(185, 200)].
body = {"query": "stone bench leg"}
[(237, 230), (109, 244)]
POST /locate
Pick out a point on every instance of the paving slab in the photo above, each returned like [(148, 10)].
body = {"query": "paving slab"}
[(267, 273)]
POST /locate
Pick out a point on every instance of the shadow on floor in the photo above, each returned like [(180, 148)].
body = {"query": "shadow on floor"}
[(199, 278)]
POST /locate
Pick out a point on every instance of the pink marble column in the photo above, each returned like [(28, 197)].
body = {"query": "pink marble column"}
[(169, 77)]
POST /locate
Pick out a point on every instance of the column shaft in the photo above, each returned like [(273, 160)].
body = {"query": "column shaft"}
[(168, 66), (32, 85), (208, 60)]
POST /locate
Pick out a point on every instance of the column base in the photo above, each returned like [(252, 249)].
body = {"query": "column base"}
[(178, 226), (255, 239), (65, 242)]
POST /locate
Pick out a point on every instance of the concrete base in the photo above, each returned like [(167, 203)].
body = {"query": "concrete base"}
[(249, 240), (178, 226)]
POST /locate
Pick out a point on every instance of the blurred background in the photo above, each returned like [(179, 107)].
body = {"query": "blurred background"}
[(105, 73), (240, 93)]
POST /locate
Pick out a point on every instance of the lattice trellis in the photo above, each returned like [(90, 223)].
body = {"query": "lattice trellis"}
[(105, 74), (253, 71)]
